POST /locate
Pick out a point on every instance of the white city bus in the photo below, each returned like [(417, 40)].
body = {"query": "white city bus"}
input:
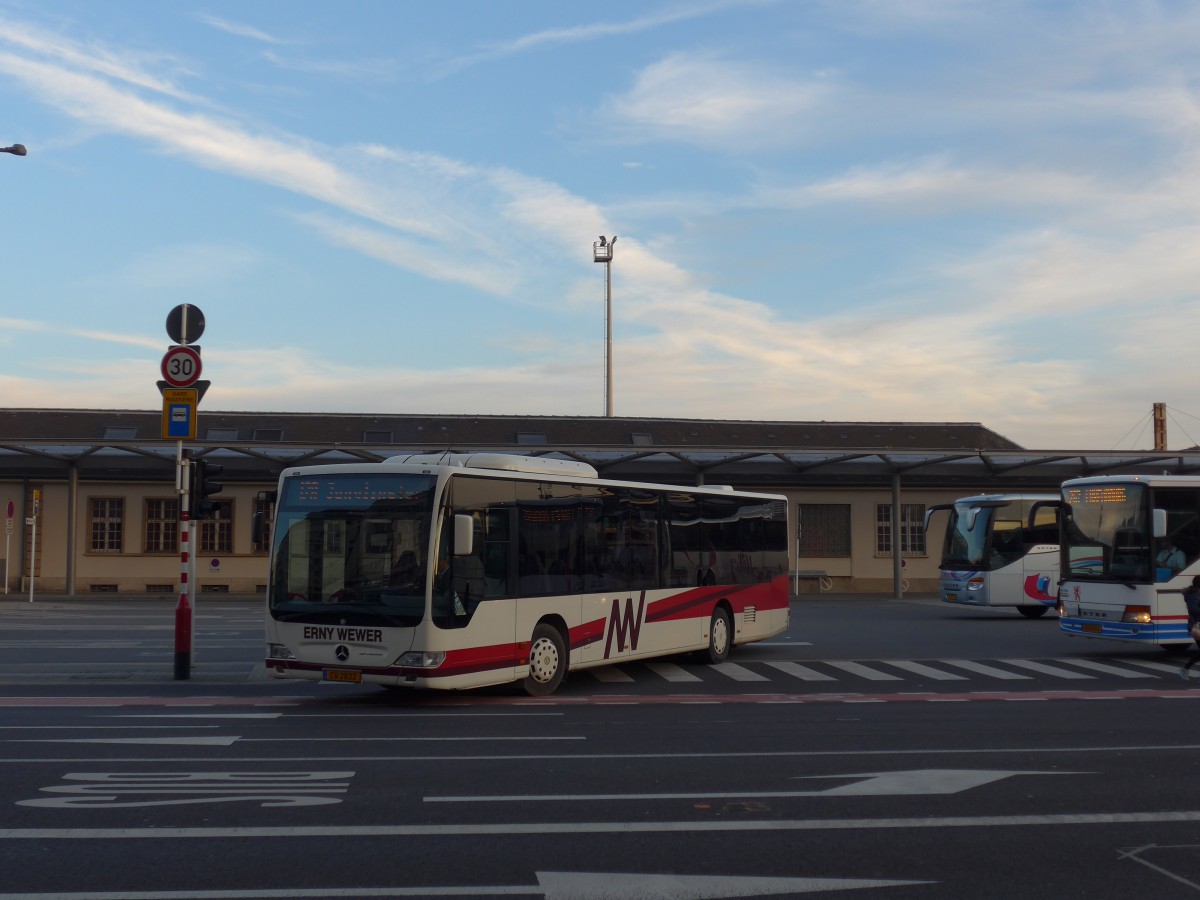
[(1001, 550), (465, 570), (1113, 582)]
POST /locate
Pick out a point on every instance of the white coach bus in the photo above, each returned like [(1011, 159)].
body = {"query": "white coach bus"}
[(465, 570), (1001, 550), (1131, 545)]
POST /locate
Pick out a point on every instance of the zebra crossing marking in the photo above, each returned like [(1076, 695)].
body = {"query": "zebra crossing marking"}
[(672, 672), (1170, 668), (1045, 669), (1106, 669), (796, 670), (862, 671), (928, 671), (877, 670), (738, 673), (981, 669)]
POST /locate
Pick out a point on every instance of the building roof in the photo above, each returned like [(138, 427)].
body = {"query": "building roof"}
[(490, 431), (255, 446)]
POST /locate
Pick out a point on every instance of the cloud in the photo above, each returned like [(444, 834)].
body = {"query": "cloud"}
[(382, 69), (239, 30), (705, 100), (128, 67), (552, 37)]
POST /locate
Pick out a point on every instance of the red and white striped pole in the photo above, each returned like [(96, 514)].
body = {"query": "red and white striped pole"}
[(183, 611)]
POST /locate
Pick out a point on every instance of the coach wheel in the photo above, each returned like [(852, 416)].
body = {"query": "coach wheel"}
[(547, 661), (1032, 612), (720, 636)]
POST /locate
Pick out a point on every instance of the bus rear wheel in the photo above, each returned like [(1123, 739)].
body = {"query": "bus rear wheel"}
[(720, 636), (1032, 612), (547, 661)]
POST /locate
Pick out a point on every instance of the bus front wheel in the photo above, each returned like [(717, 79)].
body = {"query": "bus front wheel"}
[(720, 636), (1032, 612), (547, 661)]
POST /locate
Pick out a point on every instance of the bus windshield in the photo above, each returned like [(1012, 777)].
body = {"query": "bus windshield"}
[(967, 538), (1107, 533), (986, 535), (352, 549)]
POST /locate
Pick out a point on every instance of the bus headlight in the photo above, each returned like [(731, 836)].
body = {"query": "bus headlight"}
[(975, 584), (1136, 615), (279, 651), (421, 659)]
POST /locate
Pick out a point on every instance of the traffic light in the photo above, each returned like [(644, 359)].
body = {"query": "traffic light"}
[(203, 487)]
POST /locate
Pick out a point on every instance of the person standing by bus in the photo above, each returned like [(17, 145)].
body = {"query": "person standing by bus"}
[(1191, 599)]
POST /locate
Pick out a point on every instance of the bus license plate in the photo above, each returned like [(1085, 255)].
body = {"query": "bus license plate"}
[(1090, 628), (952, 597), (348, 676)]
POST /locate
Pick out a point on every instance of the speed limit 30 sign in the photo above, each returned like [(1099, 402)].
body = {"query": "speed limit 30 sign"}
[(181, 366)]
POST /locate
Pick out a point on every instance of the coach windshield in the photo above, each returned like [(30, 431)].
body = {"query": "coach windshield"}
[(352, 549)]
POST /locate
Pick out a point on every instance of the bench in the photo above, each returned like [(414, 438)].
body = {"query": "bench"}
[(824, 582)]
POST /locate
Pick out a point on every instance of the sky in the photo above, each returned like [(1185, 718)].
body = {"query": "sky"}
[(853, 210)]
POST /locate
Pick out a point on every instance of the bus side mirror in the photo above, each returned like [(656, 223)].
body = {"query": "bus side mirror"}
[(464, 535), (1160, 523)]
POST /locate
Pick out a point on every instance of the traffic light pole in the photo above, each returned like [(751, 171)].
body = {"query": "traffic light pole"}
[(183, 610)]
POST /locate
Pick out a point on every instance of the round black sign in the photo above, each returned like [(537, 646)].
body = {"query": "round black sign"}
[(185, 324)]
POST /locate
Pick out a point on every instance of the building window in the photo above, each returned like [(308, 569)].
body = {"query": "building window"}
[(162, 526), (216, 533), (107, 523), (912, 531), (824, 529), (262, 509)]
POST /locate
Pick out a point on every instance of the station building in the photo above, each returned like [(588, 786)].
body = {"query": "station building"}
[(107, 517)]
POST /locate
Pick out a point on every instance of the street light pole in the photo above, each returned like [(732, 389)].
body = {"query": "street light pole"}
[(602, 251), (15, 150)]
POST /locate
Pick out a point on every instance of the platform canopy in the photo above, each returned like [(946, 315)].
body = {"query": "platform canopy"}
[(91, 445)]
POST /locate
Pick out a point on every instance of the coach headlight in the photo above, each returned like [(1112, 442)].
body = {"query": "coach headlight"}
[(421, 659), (279, 651), (975, 584), (1137, 615)]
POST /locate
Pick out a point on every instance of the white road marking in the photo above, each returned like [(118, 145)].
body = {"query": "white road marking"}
[(1050, 820), (981, 669), (1106, 669), (738, 673), (804, 673), (551, 885), (672, 672), (920, 669), (1045, 669), (862, 671), (870, 784)]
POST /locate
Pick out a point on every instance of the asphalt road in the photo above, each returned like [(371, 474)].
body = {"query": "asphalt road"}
[(1074, 773)]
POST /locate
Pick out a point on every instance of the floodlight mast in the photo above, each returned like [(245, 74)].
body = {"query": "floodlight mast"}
[(602, 251), (15, 150)]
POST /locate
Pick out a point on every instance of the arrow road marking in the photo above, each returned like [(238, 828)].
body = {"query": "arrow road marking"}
[(611, 886), (874, 784), (551, 885)]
